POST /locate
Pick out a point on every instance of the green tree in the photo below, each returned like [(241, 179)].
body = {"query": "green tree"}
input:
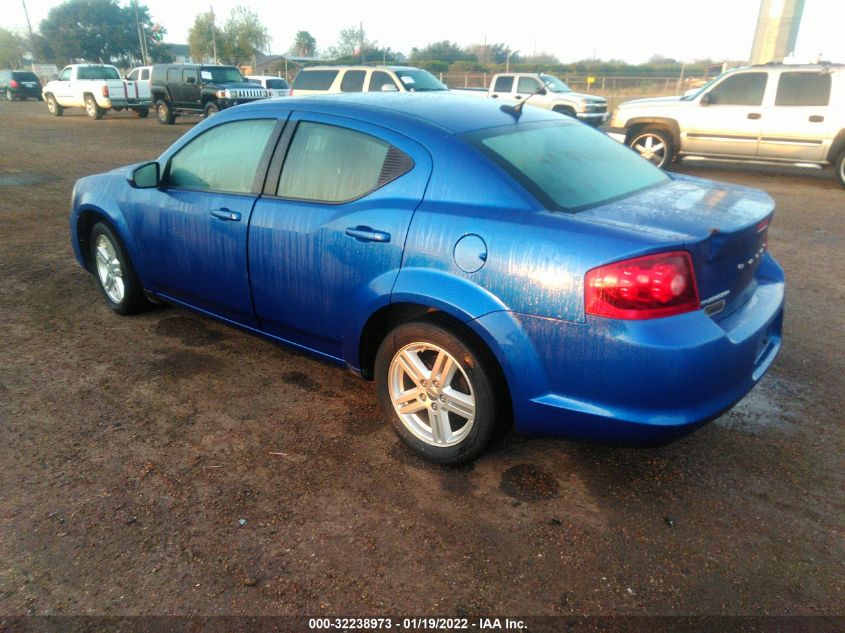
[(244, 36), (304, 45), (348, 44), (201, 37), (445, 51), (94, 30), (12, 49)]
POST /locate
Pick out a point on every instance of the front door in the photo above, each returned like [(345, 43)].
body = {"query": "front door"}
[(192, 231), (326, 241)]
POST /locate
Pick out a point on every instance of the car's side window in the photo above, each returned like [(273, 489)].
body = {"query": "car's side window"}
[(527, 85), (379, 79), (803, 89), (503, 84), (225, 158), (353, 81), (65, 76), (133, 76), (326, 163), (189, 73), (145, 74), (172, 75), (744, 89)]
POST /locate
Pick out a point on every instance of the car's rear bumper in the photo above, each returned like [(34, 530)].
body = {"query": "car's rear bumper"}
[(637, 382)]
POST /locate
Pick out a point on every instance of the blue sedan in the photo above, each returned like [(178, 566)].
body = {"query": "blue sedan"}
[(484, 266)]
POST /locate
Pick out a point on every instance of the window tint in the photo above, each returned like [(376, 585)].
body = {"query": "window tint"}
[(567, 166), (97, 72), (744, 89), (379, 79), (189, 73), (803, 89), (503, 84), (333, 164), (277, 84), (527, 85), (24, 76), (314, 79), (353, 81), (225, 158)]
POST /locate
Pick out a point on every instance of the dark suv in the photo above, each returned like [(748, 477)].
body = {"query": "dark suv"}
[(19, 84), (198, 89)]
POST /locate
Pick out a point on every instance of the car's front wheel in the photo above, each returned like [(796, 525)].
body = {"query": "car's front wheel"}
[(439, 392), (94, 111), (211, 109), (653, 144), (53, 106), (840, 168), (115, 274)]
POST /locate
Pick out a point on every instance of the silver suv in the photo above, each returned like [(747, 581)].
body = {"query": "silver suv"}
[(792, 114)]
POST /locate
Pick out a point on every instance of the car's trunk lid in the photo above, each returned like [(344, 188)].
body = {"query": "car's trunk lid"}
[(724, 227)]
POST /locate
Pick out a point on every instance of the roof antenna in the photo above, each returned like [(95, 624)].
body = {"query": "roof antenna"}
[(516, 111)]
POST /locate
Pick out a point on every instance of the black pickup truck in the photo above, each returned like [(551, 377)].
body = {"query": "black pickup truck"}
[(198, 89)]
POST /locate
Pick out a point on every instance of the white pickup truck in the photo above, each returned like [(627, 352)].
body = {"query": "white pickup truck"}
[(97, 88), (544, 91)]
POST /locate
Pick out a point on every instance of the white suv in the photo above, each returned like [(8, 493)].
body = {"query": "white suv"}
[(331, 79), (792, 114)]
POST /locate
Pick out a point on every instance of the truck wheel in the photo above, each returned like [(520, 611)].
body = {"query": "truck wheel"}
[(53, 106), (653, 144), (840, 168), (565, 110), (164, 113), (91, 107), (211, 108), (141, 113)]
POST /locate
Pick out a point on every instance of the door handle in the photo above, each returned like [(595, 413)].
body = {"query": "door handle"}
[(226, 215), (366, 234), (518, 97), (816, 118), (494, 96), (754, 115)]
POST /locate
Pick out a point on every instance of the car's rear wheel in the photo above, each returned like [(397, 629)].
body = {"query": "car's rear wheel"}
[(438, 391), (141, 113), (840, 168), (94, 111), (114, 272), (164, 113), (211, 108), (653, 144), (53, 106), (9, 95)]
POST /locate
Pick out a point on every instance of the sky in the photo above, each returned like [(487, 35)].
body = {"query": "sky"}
[(631, 30)]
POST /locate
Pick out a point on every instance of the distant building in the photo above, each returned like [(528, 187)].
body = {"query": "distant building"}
[(279, 64), (777, 30)]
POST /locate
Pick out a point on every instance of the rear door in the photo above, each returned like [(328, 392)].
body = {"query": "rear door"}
[(193, 229), (326, 239), (502, 87), (796, 125)]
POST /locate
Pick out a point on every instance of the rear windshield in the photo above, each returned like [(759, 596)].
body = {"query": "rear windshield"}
[(277, 84), (97, 72), (417, 80), (314, 79), (566, 165), (221, 74), (22, 75)]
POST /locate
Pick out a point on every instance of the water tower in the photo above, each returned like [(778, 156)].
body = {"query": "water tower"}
[(777, 30)]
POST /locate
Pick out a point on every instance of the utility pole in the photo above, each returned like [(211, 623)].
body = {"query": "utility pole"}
[(29, 25), (362, 42), (142, 40), (213, 36)]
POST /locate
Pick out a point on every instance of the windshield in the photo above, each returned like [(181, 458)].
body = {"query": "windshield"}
[(277, 84), (221, 74), (418, 80), (554, 84), (693, 95), (565, 165), (97, 72)]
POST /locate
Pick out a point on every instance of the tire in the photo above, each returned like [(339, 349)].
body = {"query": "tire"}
[(114, 272), (94, 111), (655, 145), (9, 95), (164, 113), (565, 111), (141, 113), (211, 108), (840, 168), (53, 106), (448, 423)]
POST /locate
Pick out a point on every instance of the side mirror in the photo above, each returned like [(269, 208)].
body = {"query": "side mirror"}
[(191, 80), (706, 99), (542, 91), (389, 88), (146, 176)]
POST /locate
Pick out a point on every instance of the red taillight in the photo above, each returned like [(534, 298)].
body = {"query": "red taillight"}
[(14, 84), (105, 90), (642, 288)]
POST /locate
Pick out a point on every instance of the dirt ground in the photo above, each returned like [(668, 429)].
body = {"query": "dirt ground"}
[(167, 464)]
